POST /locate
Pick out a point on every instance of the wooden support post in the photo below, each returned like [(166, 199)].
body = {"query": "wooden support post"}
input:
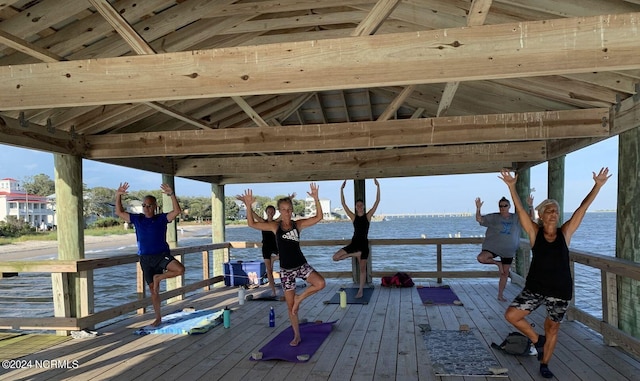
[(61, 302), (556, 184), (439, 261), (69, 210), (628, 220), (609, 301), (206, 272), (217, 229)]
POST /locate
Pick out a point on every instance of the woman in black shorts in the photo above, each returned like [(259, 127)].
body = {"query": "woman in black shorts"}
[(359, 246)]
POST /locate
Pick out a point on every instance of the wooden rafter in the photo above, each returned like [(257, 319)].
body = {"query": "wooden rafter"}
[(526, 49)]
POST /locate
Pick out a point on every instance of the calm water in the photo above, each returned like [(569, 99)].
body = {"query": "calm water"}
[(116, 286)]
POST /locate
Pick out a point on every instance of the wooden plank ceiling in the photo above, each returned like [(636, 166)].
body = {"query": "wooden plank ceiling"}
[(293, 90)]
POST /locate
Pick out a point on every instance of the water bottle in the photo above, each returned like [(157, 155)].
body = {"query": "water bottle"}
[(272, 317), (343, 298), (226, 317), (241, 295)]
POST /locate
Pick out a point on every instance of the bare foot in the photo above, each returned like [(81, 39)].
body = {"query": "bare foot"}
[(156, 322), (502, 298), (295, 341), (359, 294), (296, 305)]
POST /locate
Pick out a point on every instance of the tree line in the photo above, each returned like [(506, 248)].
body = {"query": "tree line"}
[(98, 201)]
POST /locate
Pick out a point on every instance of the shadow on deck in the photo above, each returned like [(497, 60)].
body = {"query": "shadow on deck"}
[(377, 341)]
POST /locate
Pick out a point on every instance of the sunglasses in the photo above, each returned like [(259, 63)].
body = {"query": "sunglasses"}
[(504, 206)]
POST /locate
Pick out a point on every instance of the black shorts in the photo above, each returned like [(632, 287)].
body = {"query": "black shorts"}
[(362, 247), (267, 252), (503, 260), (154, 264)]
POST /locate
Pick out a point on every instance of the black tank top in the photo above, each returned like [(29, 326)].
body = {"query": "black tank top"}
[(360, 228), (269, 245), (288, 242), (550, 273)]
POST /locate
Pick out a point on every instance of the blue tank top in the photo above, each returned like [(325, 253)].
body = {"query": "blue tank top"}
[(288, 242)]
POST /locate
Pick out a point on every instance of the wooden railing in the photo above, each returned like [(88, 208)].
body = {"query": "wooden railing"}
[(610, 269), (82, 269)]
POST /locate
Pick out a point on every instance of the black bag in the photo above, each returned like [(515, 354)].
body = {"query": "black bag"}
[(515, 344)]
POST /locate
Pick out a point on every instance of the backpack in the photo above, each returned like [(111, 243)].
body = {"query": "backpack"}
[(404, 279), (397, 280), (514, 344)]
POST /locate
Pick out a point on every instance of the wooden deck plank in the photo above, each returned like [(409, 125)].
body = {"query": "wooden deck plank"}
[(380, 340)]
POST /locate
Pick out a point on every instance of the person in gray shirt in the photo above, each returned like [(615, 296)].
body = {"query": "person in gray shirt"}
[(502, 238)]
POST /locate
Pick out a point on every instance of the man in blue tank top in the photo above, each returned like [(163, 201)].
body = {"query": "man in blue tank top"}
[(156, 261)]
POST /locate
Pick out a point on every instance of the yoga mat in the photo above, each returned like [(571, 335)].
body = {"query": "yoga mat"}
[(460, 353), (184, 322), (312, 334), (442, 295), (351, 296)]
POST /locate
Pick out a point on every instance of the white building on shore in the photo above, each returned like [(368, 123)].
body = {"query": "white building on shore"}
[(310, 208), (15, 201)]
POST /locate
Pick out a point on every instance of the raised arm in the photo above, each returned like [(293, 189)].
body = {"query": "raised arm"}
[(530, 227), (479, 204), (166, 189), (371, 211), (346, 209), (120, 212), (248, 200), (569, 227), (306, 222), (532, 211)]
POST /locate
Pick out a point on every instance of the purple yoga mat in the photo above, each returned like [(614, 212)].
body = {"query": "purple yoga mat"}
[(313, 335), (432, 296)]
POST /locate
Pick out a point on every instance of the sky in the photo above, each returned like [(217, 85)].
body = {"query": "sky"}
[(431, 194)]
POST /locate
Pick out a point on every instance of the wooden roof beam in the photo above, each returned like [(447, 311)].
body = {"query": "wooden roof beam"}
[(355, 135), (373, 159), (460, 54)]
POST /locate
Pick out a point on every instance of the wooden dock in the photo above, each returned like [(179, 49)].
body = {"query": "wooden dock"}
[(378, 341)]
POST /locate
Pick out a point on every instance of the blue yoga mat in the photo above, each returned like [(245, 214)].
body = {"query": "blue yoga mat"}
[(312, 334), (185, 323), (351, 296)]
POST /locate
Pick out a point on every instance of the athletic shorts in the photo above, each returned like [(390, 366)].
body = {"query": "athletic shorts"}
[(504, 260), (529, 301), (154, 264), (268, 252), (288, 276), (354, 247)]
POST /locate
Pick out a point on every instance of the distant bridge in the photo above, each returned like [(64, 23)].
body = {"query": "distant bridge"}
[(417, 215)]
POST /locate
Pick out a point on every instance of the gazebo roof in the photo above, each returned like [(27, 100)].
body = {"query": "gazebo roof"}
[(296, 90)]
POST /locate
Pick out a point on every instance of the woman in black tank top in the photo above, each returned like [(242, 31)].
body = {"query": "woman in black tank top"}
[(549, 279), (359, 246), (292, 262)]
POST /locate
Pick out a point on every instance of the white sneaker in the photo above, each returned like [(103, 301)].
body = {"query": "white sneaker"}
[(533, 351)]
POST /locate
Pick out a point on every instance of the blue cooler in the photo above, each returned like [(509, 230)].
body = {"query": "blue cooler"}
[(240, 273)]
